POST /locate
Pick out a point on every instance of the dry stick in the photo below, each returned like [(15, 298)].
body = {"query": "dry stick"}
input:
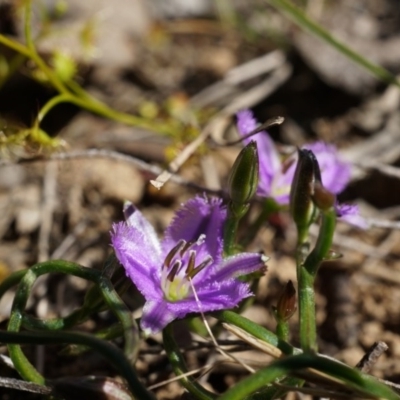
[(48, 207), (178, 377), (218, 348), (227, 87), (383, 147), (17, 384), (222, 119), (381, 167), (273, 351), (255, 67), (267, 124), (6, 361), (68, 241), (114, 155), (381, 223), (371, 356), (174, 166)]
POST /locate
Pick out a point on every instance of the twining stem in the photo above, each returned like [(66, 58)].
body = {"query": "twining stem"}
[(21, 363), (106, 290), (107, 350), (117, 306)]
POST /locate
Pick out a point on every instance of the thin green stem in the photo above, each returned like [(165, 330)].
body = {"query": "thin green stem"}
[(18, 47), (301, 19), (307, 319), (112, 332), (87, 102), (93, 303), (79, 96), (179, 366), (282, 330), (353, 379), (324, 242), (306, 278), (61, 98), (230, 230), (27, 26), (107, 350), (255, 330), (130, 328), (51, 76), (21, 363)]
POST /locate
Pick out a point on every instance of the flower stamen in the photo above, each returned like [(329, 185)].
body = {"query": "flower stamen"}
[(187, 246), (200, 267), (174, 270), (173, 252), (191, 262)]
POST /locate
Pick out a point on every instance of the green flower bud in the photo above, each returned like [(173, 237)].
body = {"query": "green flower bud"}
[(301, 194), (243, 178)]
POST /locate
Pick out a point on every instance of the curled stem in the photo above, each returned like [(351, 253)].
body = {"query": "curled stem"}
[(107, 350)]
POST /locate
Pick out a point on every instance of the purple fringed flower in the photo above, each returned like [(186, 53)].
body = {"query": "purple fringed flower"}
[(190, 254), (351, 214), (276, 176)]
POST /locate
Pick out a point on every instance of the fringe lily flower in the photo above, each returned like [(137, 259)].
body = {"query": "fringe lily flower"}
[(276, 177), (189, 256)]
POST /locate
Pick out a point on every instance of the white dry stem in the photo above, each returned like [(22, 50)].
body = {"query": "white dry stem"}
[(218, 348)]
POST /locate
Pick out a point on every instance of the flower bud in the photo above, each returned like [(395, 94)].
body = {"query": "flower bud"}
[(286, 306), (243, 178), (322, 197), (301, 202)]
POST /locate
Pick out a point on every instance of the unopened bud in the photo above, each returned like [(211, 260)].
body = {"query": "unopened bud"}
[(301, 202), (243, 178), (286, 306), (322, 197)]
